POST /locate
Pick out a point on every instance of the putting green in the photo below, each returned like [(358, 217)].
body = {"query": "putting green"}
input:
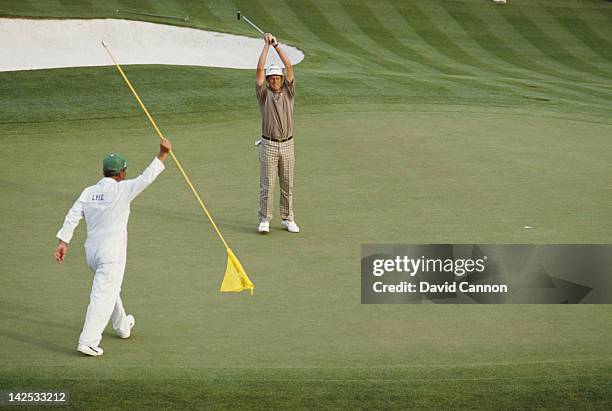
[(476, 175)]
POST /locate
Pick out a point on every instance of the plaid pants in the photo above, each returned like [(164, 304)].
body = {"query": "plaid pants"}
[(276, 157)]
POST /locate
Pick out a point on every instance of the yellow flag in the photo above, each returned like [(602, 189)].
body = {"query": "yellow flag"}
[(235, 278)]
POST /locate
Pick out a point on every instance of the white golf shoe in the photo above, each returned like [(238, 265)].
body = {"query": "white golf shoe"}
[(291, 226), (91, 351), (126, 332), (264, 227)]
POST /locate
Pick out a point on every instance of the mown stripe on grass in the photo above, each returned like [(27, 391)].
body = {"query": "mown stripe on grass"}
[(549, 46), (502, 29), (437, 39), (459, 88), (576, 25), (408, 34), (570, 42), (355, 34), (515, 39), (317, 22), (483, 34), (320, 55), (424, 34), (363, 17), (560, 80), (553, 74), (434, 36)]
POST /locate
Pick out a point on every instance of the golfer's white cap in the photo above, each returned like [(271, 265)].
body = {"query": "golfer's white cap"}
[(274, 70)]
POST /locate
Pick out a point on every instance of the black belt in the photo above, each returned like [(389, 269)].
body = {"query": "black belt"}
[(277, 140)]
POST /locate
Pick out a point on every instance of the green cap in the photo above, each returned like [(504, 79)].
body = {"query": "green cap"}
[(114, 162)]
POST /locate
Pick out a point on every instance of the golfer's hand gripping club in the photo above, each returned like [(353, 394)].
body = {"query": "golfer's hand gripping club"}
[(273, 41)]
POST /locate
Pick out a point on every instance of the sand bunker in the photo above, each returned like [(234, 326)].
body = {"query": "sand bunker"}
[(28, 44)]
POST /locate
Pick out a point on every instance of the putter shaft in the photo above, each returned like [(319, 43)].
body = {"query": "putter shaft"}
[(250, 22)]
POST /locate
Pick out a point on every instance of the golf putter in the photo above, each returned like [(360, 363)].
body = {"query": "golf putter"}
[(245, 18)]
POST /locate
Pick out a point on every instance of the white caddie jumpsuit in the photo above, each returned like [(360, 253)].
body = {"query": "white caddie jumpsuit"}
[(106, 208)]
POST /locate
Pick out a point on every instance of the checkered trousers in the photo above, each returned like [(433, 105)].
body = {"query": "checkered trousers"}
[(276, 157)]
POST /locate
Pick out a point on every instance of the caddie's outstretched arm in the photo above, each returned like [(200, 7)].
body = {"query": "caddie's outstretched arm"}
[(286, 62), (261, 63)]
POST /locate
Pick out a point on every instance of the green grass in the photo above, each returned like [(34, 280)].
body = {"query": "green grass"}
[(452, 121)]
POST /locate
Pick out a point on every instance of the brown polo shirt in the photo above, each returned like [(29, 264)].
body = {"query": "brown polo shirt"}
[(276, 110)]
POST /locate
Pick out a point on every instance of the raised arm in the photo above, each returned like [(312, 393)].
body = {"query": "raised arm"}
[(261, 63), (286, 62)]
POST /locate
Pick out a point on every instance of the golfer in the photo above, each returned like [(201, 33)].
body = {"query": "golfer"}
[(275, 93), (106, 208)]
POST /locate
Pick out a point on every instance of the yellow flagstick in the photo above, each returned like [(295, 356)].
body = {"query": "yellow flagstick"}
[(235, 278)]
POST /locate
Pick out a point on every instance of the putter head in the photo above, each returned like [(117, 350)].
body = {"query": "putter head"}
[(238, 15), (104, 44)]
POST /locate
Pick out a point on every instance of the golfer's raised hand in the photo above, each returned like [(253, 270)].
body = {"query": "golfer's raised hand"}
[(273, 41), (60, 251), (267, 38), (164, 148)]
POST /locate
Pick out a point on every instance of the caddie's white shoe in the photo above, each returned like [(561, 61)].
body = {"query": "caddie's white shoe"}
[(126, 332), (264, 227), (88, 350), (291, 226)]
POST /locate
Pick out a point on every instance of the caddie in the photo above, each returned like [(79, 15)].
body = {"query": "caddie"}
[(106, 208), (275, 91)]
